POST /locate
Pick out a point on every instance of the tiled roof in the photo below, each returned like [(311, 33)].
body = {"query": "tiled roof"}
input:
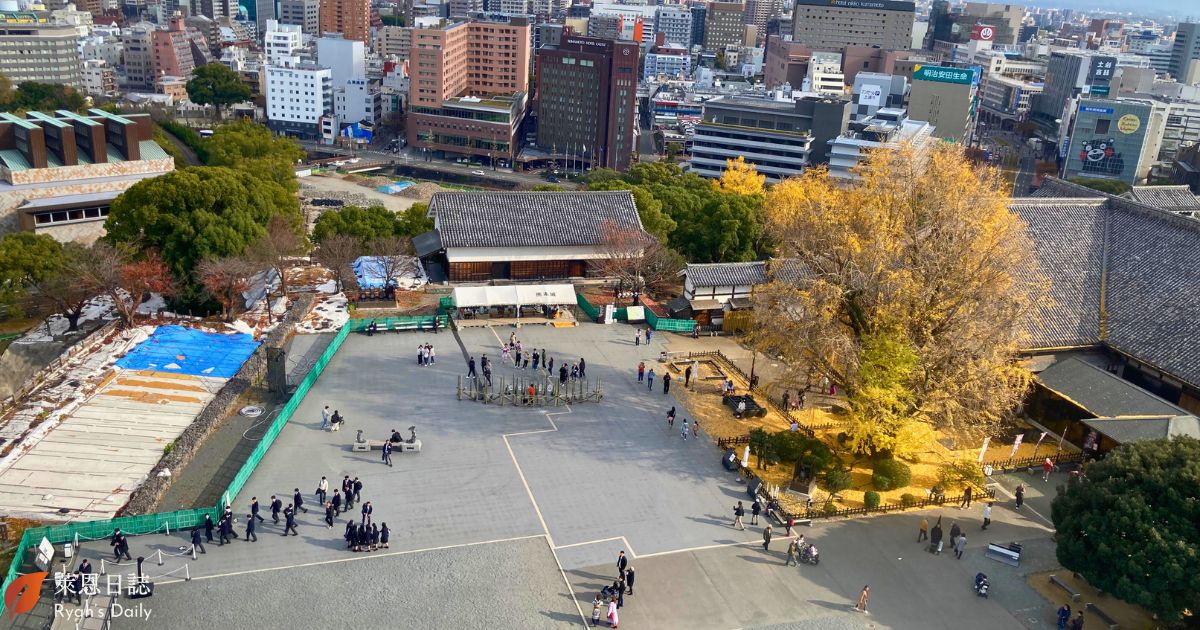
[(1173, 198), (727, 274), (1101, 393), (1068, 239), (1126, 430), (1055, 187), (530, 219)]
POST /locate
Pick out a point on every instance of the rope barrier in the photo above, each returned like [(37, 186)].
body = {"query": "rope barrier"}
[(186, 572)]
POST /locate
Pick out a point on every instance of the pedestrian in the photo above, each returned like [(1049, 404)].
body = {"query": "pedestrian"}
[(738, 513), (432, 354), (384, 535), (596, 606), (487, 373), (987, 515), (613, 614), (367, 510), (325, 415), (550, 366), (861, 606), (791, 522), (323, 489), (960, 545), (329, 514), (935, 537), (622, 562), (671, 417), (923, 530), (618, 589), (289, 514), (276, 506), (767, 537), (649, 335), (574, 371), (641, 371), (787, 399), (517, 357), (358, 486), (208, 528), (755, 508), (666, 383), (1047, 468), (349, 533), (955, 530), (629, 580), (471, 368), (335, 423), (224, 528), (1020, 495), (683, 431), (337, 502), (1064, 616), (536, 358), (687, 376), (792, 549), (525, 363), (696, 369), (966, 498), (254, 509), (637, 337), (1077, 622), (250, 535), (298, 501), (582, 368), (387, 452), (196, 542), (650, 379), (374, 536)]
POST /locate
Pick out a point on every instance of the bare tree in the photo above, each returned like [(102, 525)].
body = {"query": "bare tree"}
[(338, 253), (393, 256), (113, 271), (277, 247), (227, 279), (65, 287), (636, 259)]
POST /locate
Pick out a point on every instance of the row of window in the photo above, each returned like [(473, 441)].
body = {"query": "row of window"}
[(66, 216)]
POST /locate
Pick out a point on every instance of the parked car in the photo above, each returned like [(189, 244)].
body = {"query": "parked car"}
[(479, 173)]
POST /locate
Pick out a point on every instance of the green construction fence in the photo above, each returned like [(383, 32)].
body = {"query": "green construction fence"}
[(622, 315), (401, 322)]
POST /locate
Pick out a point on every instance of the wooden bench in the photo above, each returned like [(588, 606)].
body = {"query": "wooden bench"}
[(1055, 580), (377, 445), (1108, 621), (1003, 554)]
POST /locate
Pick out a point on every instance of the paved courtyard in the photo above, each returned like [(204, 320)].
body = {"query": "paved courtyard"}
[(507, 506)]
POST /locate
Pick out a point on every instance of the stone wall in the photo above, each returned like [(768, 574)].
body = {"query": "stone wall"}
[(11, 199), (145, 499)]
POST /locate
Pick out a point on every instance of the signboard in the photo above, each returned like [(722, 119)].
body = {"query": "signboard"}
[(942, 74), (1092, 109), (1128, 124), (1098, 90), (45, 553), (871, 95), (1101, 70), (983, 33)]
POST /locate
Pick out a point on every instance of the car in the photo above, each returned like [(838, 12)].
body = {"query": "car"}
[(339, 163), (479, 173), (352, 161), (552, 179)]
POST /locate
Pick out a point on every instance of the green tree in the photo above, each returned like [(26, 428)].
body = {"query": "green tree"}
[(1131, 528), (217, 85), (197, 213), (547, 188), (650, 209), (25, 259), (252, 148), (367, 224), (811, 457), (1110, 186), (415, 220), (393, 20), (31, 95)]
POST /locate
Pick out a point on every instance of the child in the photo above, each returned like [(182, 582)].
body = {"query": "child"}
[(671, 417), (596, 605), (684, 431), (695, 428)]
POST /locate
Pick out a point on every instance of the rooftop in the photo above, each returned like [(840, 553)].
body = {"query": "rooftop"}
[(530, 219), (1101, 393), (727, 274)]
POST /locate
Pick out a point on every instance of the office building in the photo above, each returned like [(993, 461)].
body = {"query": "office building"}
[(675, 23), (354, 98), (172, 50), (699, 18), (99, 78), (758, 13), (586, 100), (467, 89), (666, 61), (785, 62), (835, 24), (1005, 101), (467, 8), (636, 21), (1185, 53), (1070, 74), (779, 134), (258, 12), (945, 98), (351, 18), (1005, 20), (887, 130), (282, 41), (303, 13), (1115, 139), (33, 50), (60, 171), (547, 34), (138, 54), (825, 74), (874, 91), (604, 26), (393, 42), (724, 26), (299, 96)]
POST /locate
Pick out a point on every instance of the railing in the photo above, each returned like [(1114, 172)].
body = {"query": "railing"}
[(724, 443), (987, 494), (385, 324), (180, 519), (1057, 459)]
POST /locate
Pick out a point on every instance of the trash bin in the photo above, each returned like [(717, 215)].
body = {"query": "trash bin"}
[(729, 460)]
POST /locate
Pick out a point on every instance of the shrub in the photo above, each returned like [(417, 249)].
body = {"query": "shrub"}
[(829, 507), (871, 499), (889, 474), (837, 480), (960, 473), (908, 499)]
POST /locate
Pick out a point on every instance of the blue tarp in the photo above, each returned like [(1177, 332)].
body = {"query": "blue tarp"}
[(369, 271), (189, 351)]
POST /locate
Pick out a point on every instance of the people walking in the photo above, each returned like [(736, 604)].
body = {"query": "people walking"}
[(767, 537), (666, 383), (650, 379), (323, 489), (955, 530), (755, 508), (254, 510), (387, 452), (641, 371), (289, 515), (1047, 468), (276, 507), (987, 515), (471, 368), (250, 535), (637, 337), (966, 498), (861, 606), (197, 543), (208, 528), (683, 431), (224, 528), (336, 501), (384, 535), (923, 529), (687, 376), (960, 545), (329, 514), (671, 417), (582, 368), (935, 537), (792, 549), (738, 513), (358, 486), (325, 415), (1020, 492), (298, 501)]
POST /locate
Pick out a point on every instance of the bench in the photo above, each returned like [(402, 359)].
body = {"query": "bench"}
[(1005, 554), (1055, 580), (377, 445), (1108, 621)]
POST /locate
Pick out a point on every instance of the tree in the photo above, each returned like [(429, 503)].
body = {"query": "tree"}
[(393, 256), (741, 178), (547, 188), (1110, 186), (811, 458), (367, 224), (277, 247), (392, 20), (116, 272), (338, 253), (25, 258), (217, 85), (227, 279), (195, 213), (252, 148), (650, 209), (415, 220), (1131, 528), (893, 264), (34, 96), (635, 258)]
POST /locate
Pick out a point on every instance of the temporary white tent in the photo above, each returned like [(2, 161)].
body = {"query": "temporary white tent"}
[(515, 295)]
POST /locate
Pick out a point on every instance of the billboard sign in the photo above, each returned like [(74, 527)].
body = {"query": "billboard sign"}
[(871, 94), (983, 33), (943, 74)]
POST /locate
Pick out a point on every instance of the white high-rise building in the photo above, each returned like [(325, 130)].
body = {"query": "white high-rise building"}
[(298, 96), (675, 23), (281, 41), (355, 99)]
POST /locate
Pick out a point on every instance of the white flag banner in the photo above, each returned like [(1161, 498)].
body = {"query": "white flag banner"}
[(1060, 439), (1016, 445), (1039, 442), (983, 449)]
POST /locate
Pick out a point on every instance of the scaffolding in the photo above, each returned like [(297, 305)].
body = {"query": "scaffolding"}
[(516, 391)]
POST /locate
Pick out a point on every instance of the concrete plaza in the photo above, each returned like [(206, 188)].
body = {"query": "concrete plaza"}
[(507, 506)]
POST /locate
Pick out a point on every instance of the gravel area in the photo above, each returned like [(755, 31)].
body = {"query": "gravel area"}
[(449, 588)]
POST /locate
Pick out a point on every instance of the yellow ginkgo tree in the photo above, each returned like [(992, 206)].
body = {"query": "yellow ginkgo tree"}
[(741, 178)]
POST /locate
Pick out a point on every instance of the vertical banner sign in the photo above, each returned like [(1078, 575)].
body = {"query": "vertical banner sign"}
[(1016, 445), (1039, 442), (1060, 440), (983, 449)]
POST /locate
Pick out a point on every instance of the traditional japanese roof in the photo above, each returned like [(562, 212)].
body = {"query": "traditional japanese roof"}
[(1126, 430), (727, 274), (530, 219), (1172, 198), (1122, 273), (1101, 393)]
